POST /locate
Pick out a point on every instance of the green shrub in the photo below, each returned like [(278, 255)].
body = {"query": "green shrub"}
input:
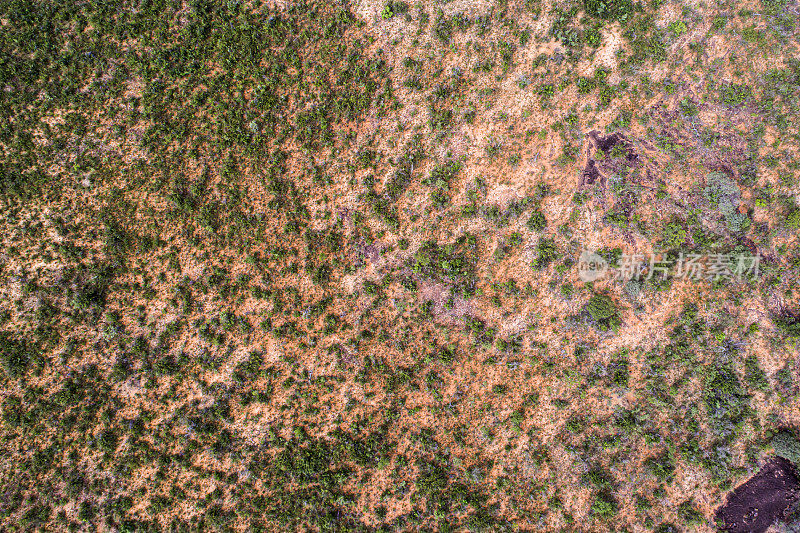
[(619, 372), (726, 402), (688, 107), (36, 515), (734, 95), (537, 221), (603, 310), (598, 479), (546, 253), (774, 7), (678, 28), (661, 467), (645, 40), (723, 194), (593, 37), (108, 441), (787, 446), (546, 90), (619, 10), (14, 356), (442, 174), (754, 375), (789, 325), (443, 28), (453, 262), (604, 506), (793, 219), (687, 511), (674, 235)]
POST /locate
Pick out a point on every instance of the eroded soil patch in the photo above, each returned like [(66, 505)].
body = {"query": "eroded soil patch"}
[(761, 500), (605, 155)]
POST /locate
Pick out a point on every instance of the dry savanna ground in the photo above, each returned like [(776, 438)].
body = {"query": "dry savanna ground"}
[(314, 266)]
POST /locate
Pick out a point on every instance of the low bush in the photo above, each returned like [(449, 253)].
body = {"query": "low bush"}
[(787, 446), (603, 311)]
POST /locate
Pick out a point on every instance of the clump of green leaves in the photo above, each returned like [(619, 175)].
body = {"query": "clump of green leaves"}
[(723, 194), (14, 355), (789, 324), (546, 253), (603, 311), (454, 263), (734, 95), (442, 174), (793, 219), (563, 28), (537, 221), (787, 446), (614, 10), (604, 505), (754, 374), (688, 512), (674, 235), (646, 41), (661, 466), (726, 402)]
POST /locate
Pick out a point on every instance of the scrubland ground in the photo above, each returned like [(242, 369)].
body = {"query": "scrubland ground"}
[(314, 266)]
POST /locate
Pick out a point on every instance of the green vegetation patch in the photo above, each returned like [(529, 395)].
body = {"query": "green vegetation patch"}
[(454, 263), (603, 311), (615, 10), (787, 445)]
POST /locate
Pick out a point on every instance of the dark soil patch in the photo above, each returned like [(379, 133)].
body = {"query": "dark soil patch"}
[(605, 143), (764, 498), (590, 173), (372, 253), (596, 169)]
